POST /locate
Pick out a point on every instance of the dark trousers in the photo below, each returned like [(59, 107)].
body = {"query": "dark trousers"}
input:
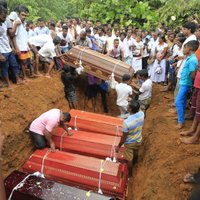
[(39, 141), (144, 62), (104, 100)]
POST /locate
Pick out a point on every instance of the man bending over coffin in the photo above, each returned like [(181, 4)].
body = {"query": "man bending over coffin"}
[(132, 134), (41, 128)]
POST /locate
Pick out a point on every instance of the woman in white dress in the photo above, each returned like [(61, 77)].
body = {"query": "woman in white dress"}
[(159, 66), (138, 51)]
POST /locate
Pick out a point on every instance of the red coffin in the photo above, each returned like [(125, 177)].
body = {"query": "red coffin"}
[(36, 188), (87, 121), (88, 143), (80, 171)]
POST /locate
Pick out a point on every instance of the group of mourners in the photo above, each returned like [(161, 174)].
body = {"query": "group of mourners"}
[(166, 56)]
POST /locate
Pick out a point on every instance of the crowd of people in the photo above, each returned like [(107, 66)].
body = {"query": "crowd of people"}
[(165, 56)]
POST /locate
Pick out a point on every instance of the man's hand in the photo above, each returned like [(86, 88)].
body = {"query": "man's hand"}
[(2, 58), (17, 22), (69, 133), (52, 147), (117, 149)]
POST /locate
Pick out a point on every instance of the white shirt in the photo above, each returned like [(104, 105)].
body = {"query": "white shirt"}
[(48, 50), (4, 41), (123, 92), (22, 37), (30, 33), (126, 44), (160, 48), (43, 30), (152, 44), (40, 40), (137, 48), (146, 90), (78, 29), (109, 42)]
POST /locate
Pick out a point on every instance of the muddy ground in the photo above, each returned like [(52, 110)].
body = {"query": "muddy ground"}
[(162, 163)]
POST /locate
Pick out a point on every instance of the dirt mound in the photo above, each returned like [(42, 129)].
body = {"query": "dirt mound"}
[(163, 161)]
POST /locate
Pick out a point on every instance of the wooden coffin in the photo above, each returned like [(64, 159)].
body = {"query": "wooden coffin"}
[(87, 121), (35, 188), (82, 171), (88, 143), (95, 63)]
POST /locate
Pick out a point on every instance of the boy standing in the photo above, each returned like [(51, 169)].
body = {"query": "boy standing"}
[(124, 92), (186, 80)]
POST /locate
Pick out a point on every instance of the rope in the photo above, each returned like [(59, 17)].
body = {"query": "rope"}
[(21, 184), (61, 140), (42, 167), (115, 66), (75, 123), (79, 57)]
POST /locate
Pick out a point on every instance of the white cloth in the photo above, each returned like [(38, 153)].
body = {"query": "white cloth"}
[(136, 64), (30, 33), (155, 77), (146, 90), (4, 41), (109, 42), (40, 40), (152, 45), (22, 37), (137, 48), (126, 44), (123, 92), (48, 50), (41, 31), (78, 29)]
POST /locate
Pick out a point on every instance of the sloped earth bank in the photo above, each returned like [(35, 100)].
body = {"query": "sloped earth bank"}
[(162, 163)]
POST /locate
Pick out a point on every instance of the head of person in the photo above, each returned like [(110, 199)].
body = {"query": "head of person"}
[(65, 30), (190, 47), (75, 21), (88, 32), (109, 32), (98, 23), (65, 117), (4, 4), (109, 25), (129, 33), (56, 40), (83, 35), (66, 69), (197, 33), (115, 25), (89, 24), (23, 12), (95, 30), (142, 74), (100, 30), (189, 28), (52, 26), (70, 23), (162, 38), (154, 35), (171, 37), (3, 14), (180, 41), (134, 106), (122, 36), (40, 23), (116, 43), (138, 38), (117, 32), (126, 78)]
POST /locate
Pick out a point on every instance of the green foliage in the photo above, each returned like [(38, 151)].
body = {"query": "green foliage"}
[(145, 13)]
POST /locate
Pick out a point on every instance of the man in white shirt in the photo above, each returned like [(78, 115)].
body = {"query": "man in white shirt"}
[(66, 42), (109, 40), (124, 93), (41, 29), (47, 53), (21, 40), (127, 43), (7, 58)]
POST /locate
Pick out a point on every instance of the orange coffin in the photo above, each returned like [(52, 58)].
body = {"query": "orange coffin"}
[(86, 172), (87, 121), (88, 143)]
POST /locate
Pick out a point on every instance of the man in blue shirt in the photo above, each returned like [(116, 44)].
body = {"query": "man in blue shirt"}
[(132, 134), (186, 80)]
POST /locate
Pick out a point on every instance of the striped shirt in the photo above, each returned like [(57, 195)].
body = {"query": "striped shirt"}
[(133, 126)]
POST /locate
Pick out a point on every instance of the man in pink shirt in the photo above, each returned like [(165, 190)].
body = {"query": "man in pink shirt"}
[(41, 128)]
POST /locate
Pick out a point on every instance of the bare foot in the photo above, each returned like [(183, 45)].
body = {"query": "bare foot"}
[(47, 76), (187, 133), (190, 140), (180, 126)]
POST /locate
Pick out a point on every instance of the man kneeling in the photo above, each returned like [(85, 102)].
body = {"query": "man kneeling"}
[(132, 134), (41, 128)]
